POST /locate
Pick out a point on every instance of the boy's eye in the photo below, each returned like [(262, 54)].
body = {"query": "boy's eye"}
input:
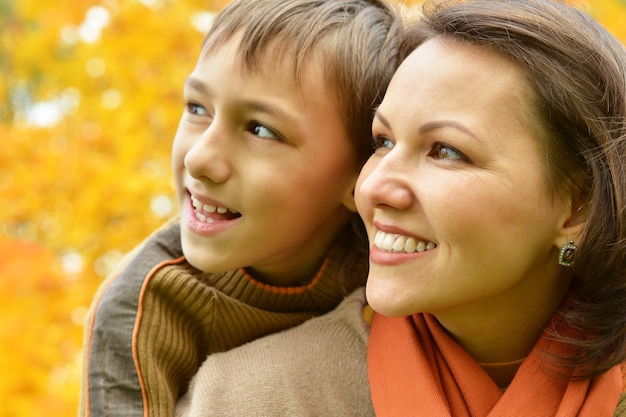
[(263, 131), (446, 152), (196, 109), (381, 142)]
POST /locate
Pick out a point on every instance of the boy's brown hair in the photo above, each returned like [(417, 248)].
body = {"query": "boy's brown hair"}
[(357, 40)]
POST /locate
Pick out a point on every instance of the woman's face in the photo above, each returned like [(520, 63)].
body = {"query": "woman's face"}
[(455, 198)]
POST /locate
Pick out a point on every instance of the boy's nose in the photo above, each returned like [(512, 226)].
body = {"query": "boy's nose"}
[(210, 157)]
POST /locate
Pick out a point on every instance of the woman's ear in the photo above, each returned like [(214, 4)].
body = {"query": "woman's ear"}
[(574, 222)]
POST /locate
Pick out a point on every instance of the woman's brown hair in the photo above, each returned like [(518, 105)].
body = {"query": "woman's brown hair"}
[(578, 73)]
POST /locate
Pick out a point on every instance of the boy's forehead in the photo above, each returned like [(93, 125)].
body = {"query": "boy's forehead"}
[(272, 77), (267, 55)]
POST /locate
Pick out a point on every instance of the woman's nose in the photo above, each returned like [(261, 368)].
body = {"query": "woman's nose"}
[(387, 183)]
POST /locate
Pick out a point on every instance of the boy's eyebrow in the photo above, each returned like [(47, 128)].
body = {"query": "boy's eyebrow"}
[(275, 111), (196, 84)]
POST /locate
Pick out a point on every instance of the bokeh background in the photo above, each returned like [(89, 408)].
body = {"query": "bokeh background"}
[(90, 97)]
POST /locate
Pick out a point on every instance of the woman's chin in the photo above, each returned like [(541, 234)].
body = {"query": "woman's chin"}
[(387, 301)]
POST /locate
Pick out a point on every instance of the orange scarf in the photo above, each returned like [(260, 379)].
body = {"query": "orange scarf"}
[(416, 369)]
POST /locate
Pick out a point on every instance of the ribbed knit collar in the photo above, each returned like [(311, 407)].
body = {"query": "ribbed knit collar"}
[(326, 289)]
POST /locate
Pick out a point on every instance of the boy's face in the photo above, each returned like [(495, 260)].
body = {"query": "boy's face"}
[(264, 168)]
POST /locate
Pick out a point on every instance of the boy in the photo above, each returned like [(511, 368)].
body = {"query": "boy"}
[(275, 130)]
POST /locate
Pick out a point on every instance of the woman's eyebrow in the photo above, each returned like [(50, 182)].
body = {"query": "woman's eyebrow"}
[(378, 115), (438, 124), (430, 126)]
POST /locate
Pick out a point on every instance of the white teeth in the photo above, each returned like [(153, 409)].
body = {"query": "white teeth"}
[(390, 242), (399, 245), (378, 240), (207, 208), (410, 245), (203, 218)]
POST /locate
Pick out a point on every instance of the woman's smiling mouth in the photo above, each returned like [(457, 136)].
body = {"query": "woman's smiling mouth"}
[(393, 242)]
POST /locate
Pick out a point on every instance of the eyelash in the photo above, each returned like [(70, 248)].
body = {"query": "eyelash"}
[(254, 126), (195, 109), (191, 106), (439, 147), (379, 142)]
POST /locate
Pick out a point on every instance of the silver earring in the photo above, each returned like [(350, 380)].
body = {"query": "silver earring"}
[(567, 254)]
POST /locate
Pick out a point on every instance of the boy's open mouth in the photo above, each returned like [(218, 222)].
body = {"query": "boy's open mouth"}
[(207, 213)]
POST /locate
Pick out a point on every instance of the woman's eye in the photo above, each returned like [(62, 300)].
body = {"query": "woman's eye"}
[(263, 131), (195, 109), (443, 151), (379, 142)]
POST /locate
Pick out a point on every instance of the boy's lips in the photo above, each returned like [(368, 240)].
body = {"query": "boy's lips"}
[(208, 213), (207, 221), (209, 209)]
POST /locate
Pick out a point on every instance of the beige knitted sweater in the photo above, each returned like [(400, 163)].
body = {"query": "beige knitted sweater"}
[(157, 318), (318, 369)]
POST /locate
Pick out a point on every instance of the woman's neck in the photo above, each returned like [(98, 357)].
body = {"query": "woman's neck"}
[(503, 329), (502, 373)]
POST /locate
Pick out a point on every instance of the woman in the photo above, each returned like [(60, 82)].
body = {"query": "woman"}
[(496, 206)]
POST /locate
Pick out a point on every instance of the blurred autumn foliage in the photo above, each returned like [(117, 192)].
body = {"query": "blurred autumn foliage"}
[(90, 97)]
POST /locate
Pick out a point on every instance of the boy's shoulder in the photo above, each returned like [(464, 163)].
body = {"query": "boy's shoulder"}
[(161, 244), (111, 321), (161, 248)]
